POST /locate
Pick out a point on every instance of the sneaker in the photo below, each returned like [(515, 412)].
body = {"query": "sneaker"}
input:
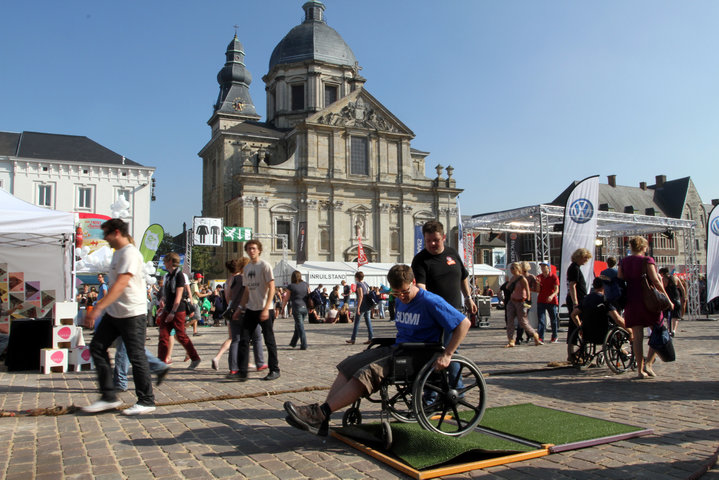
[(194, 364), (101, 406), (238, 377), (309, 418), (262, 367), (555, 340), (251, 366), (161, 376), (138, 409), (272, 376)]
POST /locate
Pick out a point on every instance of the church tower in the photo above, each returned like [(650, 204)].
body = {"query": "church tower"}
[(311, 68)]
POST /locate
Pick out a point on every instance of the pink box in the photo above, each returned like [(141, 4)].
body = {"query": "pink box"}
[(64, 336), (53, 360), (79, 359)]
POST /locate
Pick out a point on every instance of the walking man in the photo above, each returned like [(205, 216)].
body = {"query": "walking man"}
[(125, 307), (257, 303), (548, 301)]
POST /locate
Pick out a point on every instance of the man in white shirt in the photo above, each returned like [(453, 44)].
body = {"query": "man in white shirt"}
[(125, 312)]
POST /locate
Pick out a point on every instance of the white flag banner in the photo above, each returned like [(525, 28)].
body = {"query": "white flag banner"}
[(580, 229), (713, 255), (460, 233)]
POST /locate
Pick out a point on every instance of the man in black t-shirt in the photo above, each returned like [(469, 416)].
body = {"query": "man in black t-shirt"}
[(439, 269), (576, 284), (593, 313)]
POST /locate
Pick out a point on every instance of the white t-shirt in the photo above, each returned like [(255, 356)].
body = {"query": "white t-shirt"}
[(255, 277), (133, 299)]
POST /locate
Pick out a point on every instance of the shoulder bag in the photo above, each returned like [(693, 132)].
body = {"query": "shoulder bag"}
[(661, 341), (654, 300)]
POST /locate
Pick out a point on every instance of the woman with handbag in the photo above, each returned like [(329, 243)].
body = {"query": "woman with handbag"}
[(637, 316), (677, 294)]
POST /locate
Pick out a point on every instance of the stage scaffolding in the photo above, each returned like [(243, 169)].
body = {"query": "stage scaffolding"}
[(545, 221)]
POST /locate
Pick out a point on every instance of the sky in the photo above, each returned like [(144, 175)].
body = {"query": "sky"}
[(520, 97)]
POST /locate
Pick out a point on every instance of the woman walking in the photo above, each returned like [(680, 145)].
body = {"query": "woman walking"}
[(297, 295), (519, 288), (636, 315)]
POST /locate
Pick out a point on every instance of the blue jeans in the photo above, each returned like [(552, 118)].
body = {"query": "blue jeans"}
[(551, 310), (132, 330), (300, 315), (122, 364), (381, 309), (256, 341), (367, 320)]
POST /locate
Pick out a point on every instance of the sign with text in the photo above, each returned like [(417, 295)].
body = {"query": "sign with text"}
[(236, 234)]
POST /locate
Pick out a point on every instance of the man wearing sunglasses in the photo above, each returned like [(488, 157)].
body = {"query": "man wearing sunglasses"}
[(421, 317)]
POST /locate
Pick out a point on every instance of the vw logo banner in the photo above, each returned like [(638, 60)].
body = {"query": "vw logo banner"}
[(713, 254), (580, 229)]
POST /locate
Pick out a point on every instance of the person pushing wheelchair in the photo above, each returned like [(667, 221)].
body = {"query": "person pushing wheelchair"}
[(421, 317)]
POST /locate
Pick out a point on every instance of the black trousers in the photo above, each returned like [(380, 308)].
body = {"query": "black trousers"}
[(249, 323), (132, 330)]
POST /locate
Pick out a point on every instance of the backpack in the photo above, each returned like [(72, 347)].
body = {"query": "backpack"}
[(316, 297)]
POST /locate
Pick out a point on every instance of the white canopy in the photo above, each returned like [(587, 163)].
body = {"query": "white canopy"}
[(36, 249)]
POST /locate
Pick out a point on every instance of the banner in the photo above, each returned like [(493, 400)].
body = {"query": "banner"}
[(468, 259), (187, 266), (302, 243), (92, 236), (361, 257), (206, 231), (151, 241), (713, 255), (460, 234), (236, 234), (580, 230), (512, 250), (418, 239)]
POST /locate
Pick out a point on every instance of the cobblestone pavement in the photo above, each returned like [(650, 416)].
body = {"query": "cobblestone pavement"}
[(197, 433)]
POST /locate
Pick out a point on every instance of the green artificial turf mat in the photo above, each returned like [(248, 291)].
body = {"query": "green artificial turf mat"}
[(546, 425), (421, 449)]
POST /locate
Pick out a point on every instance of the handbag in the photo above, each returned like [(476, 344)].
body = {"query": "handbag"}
[(654, 300), (662, 342)]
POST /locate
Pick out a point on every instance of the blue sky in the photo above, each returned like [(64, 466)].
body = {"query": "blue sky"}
[(520, 97)]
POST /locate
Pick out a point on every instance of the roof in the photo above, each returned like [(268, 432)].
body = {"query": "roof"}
[(23, 224), (313, 39), (67, 148)]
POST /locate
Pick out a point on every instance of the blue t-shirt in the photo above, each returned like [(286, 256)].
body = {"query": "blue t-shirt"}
[(425, 318)]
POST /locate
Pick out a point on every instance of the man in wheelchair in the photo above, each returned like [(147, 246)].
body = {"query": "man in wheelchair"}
[(421, 316), (594, 314)]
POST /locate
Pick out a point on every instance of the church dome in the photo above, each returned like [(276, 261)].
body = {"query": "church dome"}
[(313, 39)]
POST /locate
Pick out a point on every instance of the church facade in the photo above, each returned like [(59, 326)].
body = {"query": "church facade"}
[(330, 165)]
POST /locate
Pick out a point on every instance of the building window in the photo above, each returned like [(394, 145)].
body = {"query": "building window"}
[(84, 197), (487, 257), (330, 94), (283, 227), (124, 193), (394, 240), (324, 239), (359, 161), (298, 97), (44, 195)]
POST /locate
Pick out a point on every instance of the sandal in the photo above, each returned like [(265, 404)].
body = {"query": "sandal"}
[(509, 345)]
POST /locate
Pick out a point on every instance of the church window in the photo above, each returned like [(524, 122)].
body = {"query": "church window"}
[(359, 161), (84, 197), (298, 97), (283, 227), (394, 240), (44, 195), (330, 94), (324, 239)]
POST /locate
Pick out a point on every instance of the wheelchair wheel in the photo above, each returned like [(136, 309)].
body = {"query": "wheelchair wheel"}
[(450, 401), (578, 350), (386, 434), (398, 401), (352, 416), (618, 351)]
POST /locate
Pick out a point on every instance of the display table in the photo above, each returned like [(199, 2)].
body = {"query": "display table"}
[(27, 337)]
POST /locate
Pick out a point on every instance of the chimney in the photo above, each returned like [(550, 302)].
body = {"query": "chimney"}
[(612, 179), (643, 185), (715, 201), (660, 180)]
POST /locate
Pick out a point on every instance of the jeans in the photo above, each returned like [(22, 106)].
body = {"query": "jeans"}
[(122, 364), (249, 324), (236, 334), (551, 310), (381, 309), (132, 330), (178, 324), (367, 320), (300, 315)]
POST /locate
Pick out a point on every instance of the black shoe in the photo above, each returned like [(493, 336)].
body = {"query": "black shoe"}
[(161, 376), (309, 418), (237, 377), (272, 376)]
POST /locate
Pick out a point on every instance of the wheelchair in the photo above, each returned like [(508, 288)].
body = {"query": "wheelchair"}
[(449, 402), (603, 344)]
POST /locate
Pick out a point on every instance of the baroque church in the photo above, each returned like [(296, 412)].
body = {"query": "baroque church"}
[(330, 166)]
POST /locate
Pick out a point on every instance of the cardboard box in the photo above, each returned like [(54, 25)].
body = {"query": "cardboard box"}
[(53, 360), (79, 359), (65, 313), (65, 336)]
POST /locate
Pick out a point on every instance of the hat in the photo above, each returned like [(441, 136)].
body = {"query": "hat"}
[(544, 262), (198, 275)]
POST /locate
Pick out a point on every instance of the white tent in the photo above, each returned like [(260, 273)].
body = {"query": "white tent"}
[(36, 252)]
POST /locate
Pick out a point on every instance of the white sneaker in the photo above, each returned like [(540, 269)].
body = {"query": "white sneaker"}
[(138, 409), (101, 406)]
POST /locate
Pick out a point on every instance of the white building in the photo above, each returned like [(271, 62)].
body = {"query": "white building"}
[(74, 174)]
